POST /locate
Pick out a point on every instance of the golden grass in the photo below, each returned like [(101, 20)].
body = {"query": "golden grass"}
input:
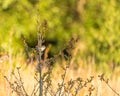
[(83, 70)]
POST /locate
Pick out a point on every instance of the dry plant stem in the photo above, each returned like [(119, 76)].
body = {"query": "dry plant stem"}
[(78, 89), (40, 41), (106, 82), (71, 84), (34, 90), (21, 82), (63, 80), (81, 86), (40, 67), (17, 86), (112, 89), (12, 86), (41, 83)]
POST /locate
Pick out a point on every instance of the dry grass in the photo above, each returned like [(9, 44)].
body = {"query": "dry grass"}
[(84, 71)]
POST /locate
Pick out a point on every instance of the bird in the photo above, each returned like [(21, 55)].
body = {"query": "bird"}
[(42, 48)]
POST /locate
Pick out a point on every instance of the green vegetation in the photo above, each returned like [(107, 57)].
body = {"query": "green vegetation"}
[(97, 24)]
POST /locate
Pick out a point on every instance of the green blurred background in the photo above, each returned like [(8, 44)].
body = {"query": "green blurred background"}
[(96, 22)]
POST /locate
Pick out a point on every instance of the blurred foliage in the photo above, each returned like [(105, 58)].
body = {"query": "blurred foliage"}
[(97, 23), (102, 30)]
